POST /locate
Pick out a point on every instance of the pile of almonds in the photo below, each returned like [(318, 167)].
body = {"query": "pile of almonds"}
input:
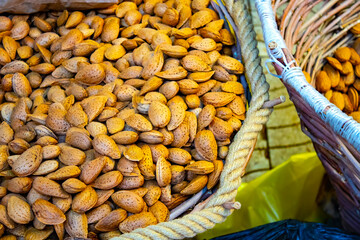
[(339, 79), (113, 117)]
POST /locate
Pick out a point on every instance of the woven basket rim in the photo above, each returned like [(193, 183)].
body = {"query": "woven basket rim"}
[(342, 124), (254, 107), (334, 134), (240, 149)]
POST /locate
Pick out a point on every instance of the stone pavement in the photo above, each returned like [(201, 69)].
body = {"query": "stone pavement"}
[(282, 136)]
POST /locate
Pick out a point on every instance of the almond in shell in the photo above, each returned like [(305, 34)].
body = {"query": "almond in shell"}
[(135, 221), (182, 133), (176, 73), (151, 137), (106, 146), (160, 211), (205, 144), (96, 128), (163, 172), (335, 63), (200, 167), (25, 52), (115, 124), (343, 54), (194, 63), (84, 200), (33, 233), (10, 45), (48, 213), (6, 24), (55, 119), (323, 82), (108, 180), (206, 116), (195, 185), (177, 108), (154, 64), (14, 67), (200, 19), (5, 219), (73, 185), (177, 174), (76, 116), (98, 213), (338, 99), (221, 129), (215, 175), (133, 153), (218, 99), (206, 44), (169, 89), (90, 74), (18, 184), (4, 57), (333, 74), (129, 201), (49, 187), (237, 106), (111, 221), (72, 38), (355, 58), (159, 114), (153, 194), (73, 19), (131, 182), (146, 164), (139, 123), (93, 106), (115, 52), (65, 173), (103, 196), (150, 85), (76, 224), (42, 24), (19, 210), (175, 51), (71, 156), (232, 87), (28, 162), (111, 29)]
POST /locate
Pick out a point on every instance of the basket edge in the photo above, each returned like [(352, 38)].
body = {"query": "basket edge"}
[(341, 123)]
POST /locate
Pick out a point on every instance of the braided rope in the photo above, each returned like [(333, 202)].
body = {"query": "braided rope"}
[(198, 222)]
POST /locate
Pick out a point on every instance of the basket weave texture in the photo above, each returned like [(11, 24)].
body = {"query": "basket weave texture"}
[(240, 149), (313, 30)]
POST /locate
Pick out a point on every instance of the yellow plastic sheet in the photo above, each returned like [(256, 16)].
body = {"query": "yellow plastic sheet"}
[(287, 192)]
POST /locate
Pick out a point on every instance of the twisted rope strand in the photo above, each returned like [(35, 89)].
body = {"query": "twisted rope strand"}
[(197, 222)]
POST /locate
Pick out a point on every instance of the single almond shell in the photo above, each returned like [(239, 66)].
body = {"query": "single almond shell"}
[(48, 213)]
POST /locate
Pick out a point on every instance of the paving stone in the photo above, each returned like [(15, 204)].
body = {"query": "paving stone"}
[(262, 49), (261, 140), (286, 136), (258, 161), (251, 176), (259, 34), (283, 117), (279, 155)]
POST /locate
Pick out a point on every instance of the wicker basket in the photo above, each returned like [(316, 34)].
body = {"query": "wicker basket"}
[(221, 204), (313, 30)]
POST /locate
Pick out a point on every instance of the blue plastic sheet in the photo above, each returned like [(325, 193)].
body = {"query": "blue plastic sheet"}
[(291, 229)]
